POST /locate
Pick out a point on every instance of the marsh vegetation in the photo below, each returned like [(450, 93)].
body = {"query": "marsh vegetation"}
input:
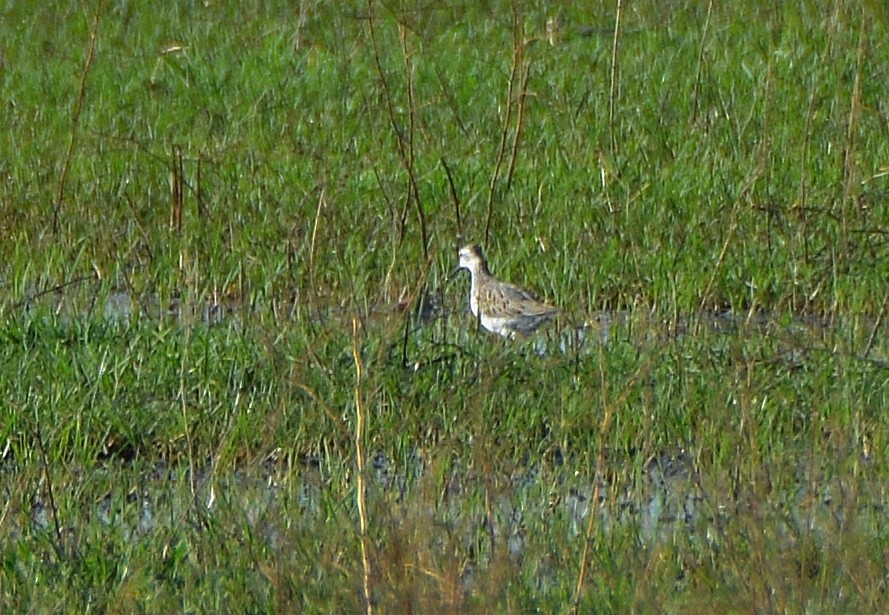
[(235, 376)]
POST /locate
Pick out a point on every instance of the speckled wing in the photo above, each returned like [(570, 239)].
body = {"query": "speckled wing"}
[(510, 301)]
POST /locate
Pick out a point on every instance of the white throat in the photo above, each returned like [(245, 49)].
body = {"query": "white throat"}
[(473, 289)]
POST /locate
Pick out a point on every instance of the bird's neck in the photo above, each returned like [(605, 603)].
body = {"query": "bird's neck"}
[(479, 275), (482, 268)]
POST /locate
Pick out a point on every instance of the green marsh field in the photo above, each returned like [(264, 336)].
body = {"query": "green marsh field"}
[(238, 375)]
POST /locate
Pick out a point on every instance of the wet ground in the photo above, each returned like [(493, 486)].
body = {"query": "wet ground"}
[(664, 495)]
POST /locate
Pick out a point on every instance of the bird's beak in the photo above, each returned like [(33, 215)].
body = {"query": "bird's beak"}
[(453, 273)]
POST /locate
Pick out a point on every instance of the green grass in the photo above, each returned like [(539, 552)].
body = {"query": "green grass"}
[(298, 168)]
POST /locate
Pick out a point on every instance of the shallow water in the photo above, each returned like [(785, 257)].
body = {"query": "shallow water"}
[(667, 496)]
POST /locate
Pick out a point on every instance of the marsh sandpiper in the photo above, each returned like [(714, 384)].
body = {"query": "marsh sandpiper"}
[(501, 307)]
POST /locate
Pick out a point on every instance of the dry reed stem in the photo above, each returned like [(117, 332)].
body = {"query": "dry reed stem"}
[(411, 189), (613, 93), (183, 404), (75, 119), (322, 201), (850, 170), (520, 121), (59, 547), (733, 226), (177, 201), (359, 457), (877, 324), (455, 197), (697, 88), (594, 501), (405, 150), (517, 62)]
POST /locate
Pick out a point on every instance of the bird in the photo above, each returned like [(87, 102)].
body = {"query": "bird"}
[(501, 307)]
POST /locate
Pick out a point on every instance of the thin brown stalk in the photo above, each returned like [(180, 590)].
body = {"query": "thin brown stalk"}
[(733, 226), (697, 89), (404, 149), (517, 62), (410, 301), (199, 190), (176, 191), (53, 509), (802, 198), (450, 100), (520, 121), (850, 170), (763, 152), (801, 206), (183, 399), (412, 193), (455, 197), (614, 94), (360, 494), (55, 288), (371, 20), (604, 426), (75, 118), (322, 201), (877, 324)]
